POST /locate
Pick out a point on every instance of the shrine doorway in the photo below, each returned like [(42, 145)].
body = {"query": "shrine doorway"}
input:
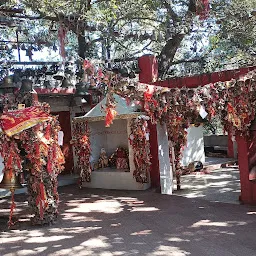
[(64, 119)]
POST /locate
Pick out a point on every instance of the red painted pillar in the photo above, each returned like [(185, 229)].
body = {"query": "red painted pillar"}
[(154, 170), (149, 74), (252, 164), (148, 69), (248, 188)]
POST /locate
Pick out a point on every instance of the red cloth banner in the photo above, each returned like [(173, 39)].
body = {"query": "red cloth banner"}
[(16, 121)]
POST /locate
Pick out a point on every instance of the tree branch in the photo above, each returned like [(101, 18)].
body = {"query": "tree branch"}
[(167, 5), (144, 48), (187, 61)]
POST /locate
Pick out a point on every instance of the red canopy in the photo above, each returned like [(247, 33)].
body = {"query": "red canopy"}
[(13, 122)]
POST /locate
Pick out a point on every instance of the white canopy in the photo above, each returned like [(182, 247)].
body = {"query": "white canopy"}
[(124, 111)]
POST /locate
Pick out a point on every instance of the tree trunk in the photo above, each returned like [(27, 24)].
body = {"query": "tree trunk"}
[(167, 54), (82, 46)]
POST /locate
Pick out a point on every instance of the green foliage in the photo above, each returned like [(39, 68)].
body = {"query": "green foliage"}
[(132, 28), (213, 127)]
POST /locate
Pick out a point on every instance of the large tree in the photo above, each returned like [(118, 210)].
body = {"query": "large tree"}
[(169, 29)]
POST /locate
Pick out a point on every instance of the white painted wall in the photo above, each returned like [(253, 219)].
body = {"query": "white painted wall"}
[(166, 174), (1, 168), (109, 138), (194, 150)]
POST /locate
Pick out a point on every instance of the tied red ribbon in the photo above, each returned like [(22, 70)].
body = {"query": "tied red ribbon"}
[(203, 9), (13, 206), (37, 149), (100, 74), (148, 98), (62, 37), (41, 200), (88, 67), (110, 115), (48, 132), (49, 163)]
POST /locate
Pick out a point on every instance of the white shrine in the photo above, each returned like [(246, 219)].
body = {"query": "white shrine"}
[(109, 139)]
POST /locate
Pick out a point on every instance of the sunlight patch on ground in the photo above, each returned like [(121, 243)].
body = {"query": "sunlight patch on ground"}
[(251, 213), (195, 194), (177, 240), (8, 239), (46, 239), (164, 250), (104, 206), (205, 223), (116, 224), (28, 252), (142, 232), (144, 209), (97, 242), (73, 230)]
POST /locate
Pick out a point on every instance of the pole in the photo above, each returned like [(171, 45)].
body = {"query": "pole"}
[(18, 44)]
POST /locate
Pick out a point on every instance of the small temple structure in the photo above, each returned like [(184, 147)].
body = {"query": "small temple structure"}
[(112, 156)]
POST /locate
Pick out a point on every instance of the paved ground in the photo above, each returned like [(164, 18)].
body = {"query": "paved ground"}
[(222, 185), (63, 180), (113, 223)]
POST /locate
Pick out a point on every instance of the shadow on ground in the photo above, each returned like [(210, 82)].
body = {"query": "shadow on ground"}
[(106, 223)]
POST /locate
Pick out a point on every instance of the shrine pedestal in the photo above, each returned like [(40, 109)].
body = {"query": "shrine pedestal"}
[(108, 178)]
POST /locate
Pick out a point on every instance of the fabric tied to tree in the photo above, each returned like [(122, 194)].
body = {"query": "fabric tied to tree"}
[(41, 200), (62, 38), (203, 9)]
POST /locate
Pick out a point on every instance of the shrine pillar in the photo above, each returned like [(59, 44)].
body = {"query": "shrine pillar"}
[(148, 69), (245, 152), (154, 169), (148, 74), (165, 168)]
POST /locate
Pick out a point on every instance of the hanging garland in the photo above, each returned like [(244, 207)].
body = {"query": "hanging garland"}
[(139, 140), (10, 154), (37, 134), (12, 165), (234, 102), (46, 162), (82, 146)]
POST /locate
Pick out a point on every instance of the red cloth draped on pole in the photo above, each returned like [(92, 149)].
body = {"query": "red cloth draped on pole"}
[(202, 9), (16, 121), (62, 38)]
